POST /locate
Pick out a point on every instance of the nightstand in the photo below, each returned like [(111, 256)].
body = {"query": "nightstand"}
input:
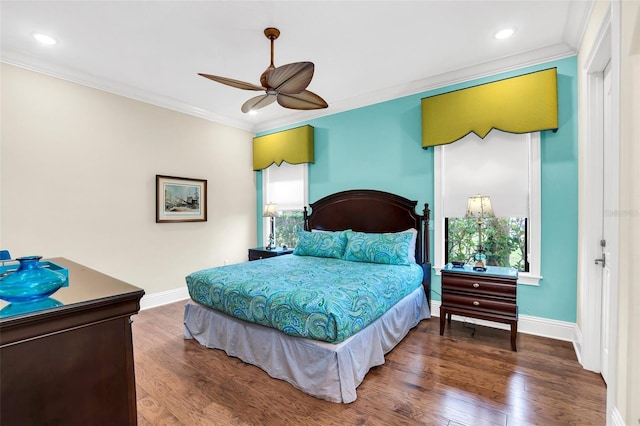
[(262, 252), (488, 295)]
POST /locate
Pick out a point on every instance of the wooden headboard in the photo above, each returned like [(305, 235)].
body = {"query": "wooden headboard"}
[(367, 210)]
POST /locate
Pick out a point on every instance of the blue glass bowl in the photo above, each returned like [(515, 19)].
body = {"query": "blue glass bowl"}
[(30, 281)]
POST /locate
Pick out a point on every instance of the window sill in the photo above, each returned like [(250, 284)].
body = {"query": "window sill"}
[(527, 278)]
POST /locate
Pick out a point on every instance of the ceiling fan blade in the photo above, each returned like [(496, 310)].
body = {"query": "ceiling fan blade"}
[(302, 100), (258, 102), (291, 78), (231, 82)]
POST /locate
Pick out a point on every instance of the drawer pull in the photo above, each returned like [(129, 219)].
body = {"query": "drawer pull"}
[(476, 303), (476, 285)]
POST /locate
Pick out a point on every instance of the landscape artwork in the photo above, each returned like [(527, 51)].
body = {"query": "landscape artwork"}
[(180, 199)]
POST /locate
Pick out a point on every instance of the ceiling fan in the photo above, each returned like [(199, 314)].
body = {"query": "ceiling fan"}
[(287, 84)]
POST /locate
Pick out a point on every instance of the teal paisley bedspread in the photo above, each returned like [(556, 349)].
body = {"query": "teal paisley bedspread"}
[(322, 299)]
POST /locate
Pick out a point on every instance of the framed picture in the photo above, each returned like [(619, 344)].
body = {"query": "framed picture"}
[(180, 199)]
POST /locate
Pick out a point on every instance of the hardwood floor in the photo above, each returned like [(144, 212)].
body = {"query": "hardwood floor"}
[(457, 379)]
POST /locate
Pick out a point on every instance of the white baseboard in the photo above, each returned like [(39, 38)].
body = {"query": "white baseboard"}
[(537, 326), (163, 298), (577, 343), (616, 418)]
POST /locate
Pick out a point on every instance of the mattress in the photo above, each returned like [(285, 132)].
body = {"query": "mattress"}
[(324, 299)]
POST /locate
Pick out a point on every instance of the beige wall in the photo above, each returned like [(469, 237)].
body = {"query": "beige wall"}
[(628, 377), (78, 170)]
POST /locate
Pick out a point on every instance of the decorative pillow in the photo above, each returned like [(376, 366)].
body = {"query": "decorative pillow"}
[(412, 244), (389, 248), (321, 244)]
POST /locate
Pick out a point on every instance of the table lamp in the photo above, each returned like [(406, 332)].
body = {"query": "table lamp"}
[(270, 211), (479, 207)]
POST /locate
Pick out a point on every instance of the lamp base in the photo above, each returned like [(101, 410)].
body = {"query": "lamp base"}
[(479, 266)]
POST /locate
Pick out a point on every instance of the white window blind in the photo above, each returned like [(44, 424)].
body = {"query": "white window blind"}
[(285, 186), (460, 173), (497, 166)]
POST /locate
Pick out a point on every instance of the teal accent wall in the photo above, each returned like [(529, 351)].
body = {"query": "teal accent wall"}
[(379, 147), (259, 206)]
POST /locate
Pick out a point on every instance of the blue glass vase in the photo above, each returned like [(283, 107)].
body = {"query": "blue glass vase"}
[(30, 281), (18, 308)]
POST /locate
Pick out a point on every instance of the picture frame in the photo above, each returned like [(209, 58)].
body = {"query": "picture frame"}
[(180, 199)]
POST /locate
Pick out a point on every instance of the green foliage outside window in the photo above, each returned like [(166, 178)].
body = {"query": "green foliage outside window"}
[(504, 241), (288, 223)]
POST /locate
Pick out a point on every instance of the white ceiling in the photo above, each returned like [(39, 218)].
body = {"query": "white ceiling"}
[(364, 51)]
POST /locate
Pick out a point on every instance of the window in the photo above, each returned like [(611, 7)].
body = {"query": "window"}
[(505, 167), (285, 186), (504, 241)]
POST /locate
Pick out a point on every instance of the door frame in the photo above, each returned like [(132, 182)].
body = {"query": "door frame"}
[(605, 49), (591, 201)]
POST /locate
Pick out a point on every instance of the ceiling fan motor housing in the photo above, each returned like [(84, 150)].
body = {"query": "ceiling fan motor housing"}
[(272, 33)]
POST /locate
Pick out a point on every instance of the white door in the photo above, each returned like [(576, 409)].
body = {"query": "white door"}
[(609, 211)]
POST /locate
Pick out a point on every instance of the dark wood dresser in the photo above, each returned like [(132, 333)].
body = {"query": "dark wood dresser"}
[(263, 253), (488, 295), (71, 363)]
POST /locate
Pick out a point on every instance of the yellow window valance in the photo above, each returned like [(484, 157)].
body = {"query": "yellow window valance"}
[(523, 104), (295, 146)]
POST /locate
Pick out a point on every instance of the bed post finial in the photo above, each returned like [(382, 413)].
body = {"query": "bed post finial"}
[(426, 217), (306, 219), (426, 212)]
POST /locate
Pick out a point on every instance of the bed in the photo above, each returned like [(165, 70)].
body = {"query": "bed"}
[(284, 314)]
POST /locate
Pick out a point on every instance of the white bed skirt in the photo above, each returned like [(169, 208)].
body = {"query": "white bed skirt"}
[(324, 370)]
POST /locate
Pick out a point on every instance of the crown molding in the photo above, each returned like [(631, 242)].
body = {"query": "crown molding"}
[(485, 69), (576, 23), (481, 70), (34, 64)]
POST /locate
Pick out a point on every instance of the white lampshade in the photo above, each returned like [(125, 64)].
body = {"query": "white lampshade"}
[(270, 210), (479, 206)]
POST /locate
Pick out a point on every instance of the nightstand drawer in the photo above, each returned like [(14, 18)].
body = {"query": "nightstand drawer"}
[(484, 286), (480, 304), (258, 256)]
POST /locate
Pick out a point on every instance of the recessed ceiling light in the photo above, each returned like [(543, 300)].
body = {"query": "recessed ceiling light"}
[(505, 33), (44, 39)]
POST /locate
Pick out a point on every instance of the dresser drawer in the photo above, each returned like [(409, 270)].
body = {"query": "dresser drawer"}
[(484, 286), (480, 304)]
